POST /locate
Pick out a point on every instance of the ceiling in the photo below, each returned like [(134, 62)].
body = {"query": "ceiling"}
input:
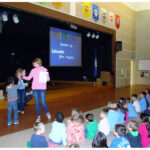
[(138, 6)]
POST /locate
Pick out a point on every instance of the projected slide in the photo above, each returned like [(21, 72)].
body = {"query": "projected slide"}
[(65, 47)]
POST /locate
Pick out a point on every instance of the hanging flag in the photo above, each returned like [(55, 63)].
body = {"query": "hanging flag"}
[(57, 5), (95, 65), (111, 18), (86, 9), (95, 12), (117, 21), (104, 15)]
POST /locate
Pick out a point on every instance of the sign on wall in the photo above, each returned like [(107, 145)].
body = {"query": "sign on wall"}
[(111, 18), (117, 21), (86, 10), (95, 12), (57, 5), (104, 15)]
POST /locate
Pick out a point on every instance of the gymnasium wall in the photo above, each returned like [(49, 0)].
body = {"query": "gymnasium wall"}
[(142, 43), (126, 33)]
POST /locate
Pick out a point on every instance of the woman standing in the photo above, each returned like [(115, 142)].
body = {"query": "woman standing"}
[(40, 77)]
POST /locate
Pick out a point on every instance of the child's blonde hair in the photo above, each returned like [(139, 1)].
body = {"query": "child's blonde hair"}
[(77, 116), (133, 125), (37, 126), (112, 106), (19, 70)]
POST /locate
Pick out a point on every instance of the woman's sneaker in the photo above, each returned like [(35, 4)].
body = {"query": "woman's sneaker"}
[(16, 122), (38, 119), (22, 112), (9, 123), (48, 115)]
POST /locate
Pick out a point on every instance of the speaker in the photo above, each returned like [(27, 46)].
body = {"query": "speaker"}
[(118, 46)]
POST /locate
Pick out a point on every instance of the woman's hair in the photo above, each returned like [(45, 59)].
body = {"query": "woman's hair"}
[(120, 129), (100, 140), (38, 61), (133, 125), (145, 119), (74, 146), (37, 126), (112, 106), (89, 117), (59, 116), (77, 116), (10, 80)]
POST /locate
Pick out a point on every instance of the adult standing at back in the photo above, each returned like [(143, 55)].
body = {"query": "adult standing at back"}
[(40, 77)]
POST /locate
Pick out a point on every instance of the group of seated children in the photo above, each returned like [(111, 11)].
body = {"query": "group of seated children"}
[(17, 96), (123, 124)]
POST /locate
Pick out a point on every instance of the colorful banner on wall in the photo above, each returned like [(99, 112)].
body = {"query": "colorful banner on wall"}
[(57, 5), (95, 12), (111, 18), (86, 10), (104, 15), (117, 21), (42, 3)]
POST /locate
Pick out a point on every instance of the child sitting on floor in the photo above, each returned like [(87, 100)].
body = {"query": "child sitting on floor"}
[(103, 125), (37, 140), (131, 110), (112, 116), (133, 136), (99, 141), (136, 103), (75, 128), (57, 135), (92, 127), (120, 141), (144, 130), (143, 101), (121, 110)]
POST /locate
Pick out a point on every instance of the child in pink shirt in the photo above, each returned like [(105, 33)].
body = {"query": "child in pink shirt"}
[(40, 77), (75, 128), (144, 130)]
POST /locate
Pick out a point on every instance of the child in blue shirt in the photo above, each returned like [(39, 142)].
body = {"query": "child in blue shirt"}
[(113, 115), (131, 110), (37, 140), (143, 102), (120, 141), (57, 135)]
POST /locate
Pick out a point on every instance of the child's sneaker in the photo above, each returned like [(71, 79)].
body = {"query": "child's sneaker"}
[(16, 122), (9, 123), (18, 111), (38, 119), (48, 115), (22, 112)]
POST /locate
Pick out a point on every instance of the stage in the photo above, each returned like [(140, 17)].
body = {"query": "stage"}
[(63, 97)]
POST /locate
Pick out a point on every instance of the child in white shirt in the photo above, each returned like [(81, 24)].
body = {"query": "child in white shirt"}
[(103, 125), (57, 135), (136, 103)]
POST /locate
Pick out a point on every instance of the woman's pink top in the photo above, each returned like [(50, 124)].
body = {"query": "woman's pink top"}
[(75, 132), (144, 135), (38, 74)]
